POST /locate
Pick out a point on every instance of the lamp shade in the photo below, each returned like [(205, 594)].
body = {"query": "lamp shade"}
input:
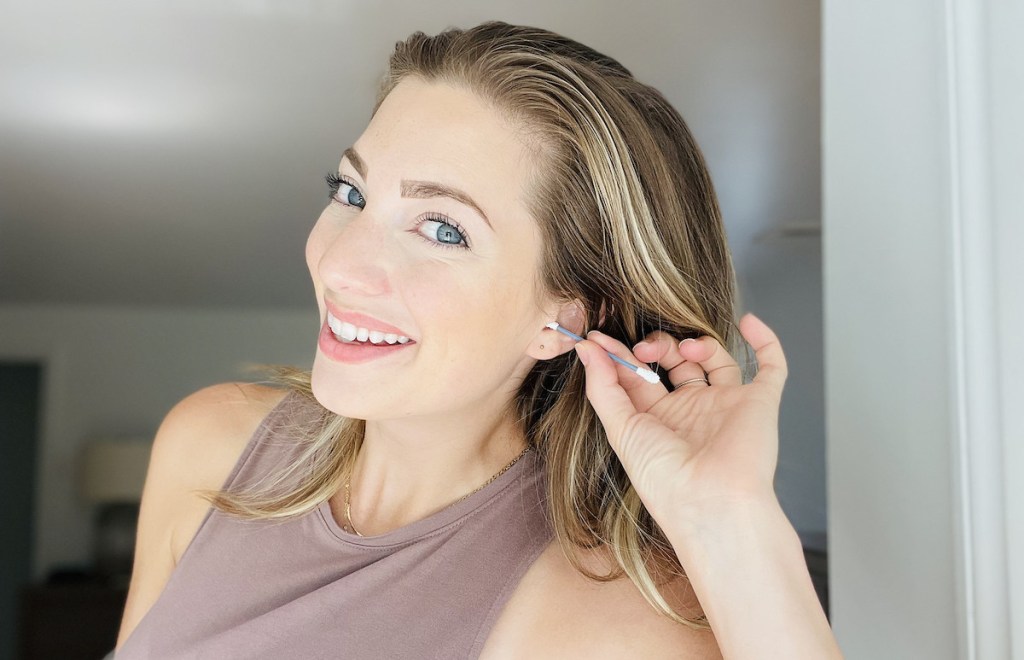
[(114, 470)]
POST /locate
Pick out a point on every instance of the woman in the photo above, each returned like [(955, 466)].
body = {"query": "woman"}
[(454, 478)]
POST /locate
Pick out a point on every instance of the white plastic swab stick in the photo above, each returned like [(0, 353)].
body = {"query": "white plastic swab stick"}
[(646, 374)]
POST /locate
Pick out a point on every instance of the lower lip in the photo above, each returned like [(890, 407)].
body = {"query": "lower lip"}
[(339, 351)]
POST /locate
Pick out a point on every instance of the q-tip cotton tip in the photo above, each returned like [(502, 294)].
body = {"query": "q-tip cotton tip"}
[(554, 326), (648, 375)]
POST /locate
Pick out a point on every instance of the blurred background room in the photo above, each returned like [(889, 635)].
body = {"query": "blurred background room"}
[(162, 163)]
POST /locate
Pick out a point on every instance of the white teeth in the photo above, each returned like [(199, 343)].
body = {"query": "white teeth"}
[(346, 332), (349, 332), (334, 324)]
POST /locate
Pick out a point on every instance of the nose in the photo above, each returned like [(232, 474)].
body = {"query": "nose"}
[(354, 258)]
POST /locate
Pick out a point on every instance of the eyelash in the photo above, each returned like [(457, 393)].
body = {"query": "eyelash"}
[(335, 181)]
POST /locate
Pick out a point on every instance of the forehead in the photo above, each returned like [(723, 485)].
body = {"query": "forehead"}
[(438, 132)]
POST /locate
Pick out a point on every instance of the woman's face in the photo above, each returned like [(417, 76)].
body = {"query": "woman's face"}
[(388, 254)]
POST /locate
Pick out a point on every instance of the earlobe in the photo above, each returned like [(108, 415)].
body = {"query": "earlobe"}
[(551, 344)]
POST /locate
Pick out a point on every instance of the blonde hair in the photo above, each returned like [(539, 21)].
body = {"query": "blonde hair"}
[(631, 228)]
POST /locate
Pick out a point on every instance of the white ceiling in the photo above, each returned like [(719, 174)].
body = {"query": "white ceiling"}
[(173, 153)]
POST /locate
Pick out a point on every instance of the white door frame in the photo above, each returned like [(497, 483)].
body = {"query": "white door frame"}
[(923, 160)]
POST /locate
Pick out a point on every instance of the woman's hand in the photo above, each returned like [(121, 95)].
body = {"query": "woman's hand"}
[(706, 444)]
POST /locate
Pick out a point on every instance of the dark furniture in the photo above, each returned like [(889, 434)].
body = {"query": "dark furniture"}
[(69, 621)]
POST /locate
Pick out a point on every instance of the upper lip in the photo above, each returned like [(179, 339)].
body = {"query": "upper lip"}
[(364, 320)]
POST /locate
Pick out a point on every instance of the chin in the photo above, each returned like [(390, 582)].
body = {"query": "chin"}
[(347, 399), (337, 396)]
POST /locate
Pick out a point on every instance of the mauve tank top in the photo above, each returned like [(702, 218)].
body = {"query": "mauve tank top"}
[(304, 588)]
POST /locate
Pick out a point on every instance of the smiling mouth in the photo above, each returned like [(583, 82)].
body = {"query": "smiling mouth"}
[(352, 334)]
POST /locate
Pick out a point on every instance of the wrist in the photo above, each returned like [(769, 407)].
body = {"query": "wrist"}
[(712, 513), (744, 561), (737, 522)]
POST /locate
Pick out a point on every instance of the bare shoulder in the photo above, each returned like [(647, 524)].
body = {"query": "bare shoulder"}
[(195, 448), (209, 428), (558, 612), (198, 444)]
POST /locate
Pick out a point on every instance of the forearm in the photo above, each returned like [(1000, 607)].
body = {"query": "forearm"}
[(747, 568)]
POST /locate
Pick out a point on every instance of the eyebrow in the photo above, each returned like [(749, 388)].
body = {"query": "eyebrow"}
[(421, 189)]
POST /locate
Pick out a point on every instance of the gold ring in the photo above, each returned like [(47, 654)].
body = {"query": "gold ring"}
[(692, 380)]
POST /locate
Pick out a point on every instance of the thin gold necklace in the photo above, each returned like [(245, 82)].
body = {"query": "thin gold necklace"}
[(349, 527)]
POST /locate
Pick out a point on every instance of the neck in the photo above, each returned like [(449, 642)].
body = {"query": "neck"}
[(409, 469)]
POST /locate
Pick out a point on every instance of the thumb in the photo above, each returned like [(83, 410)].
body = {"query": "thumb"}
[(610, 401)]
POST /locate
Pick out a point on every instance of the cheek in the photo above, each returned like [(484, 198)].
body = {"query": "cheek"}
[(479, 318)]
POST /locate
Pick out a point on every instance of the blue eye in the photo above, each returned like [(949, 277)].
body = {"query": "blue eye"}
[(352, 197), (444, 232)]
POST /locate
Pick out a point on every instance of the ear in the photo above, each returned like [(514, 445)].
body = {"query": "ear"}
[(550, 343)]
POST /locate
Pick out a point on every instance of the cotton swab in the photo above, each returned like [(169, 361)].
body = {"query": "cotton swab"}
[(646, 374)]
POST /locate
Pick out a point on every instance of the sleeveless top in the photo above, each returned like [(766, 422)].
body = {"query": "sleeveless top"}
[(305, 588)]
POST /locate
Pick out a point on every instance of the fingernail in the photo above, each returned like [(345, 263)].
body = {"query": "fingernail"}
[(593, 332), (584, 358), (686, 340), (642, 343)]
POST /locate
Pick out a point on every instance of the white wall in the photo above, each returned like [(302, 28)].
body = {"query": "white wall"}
[(118, 370), (922, 252), (887, 337)]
